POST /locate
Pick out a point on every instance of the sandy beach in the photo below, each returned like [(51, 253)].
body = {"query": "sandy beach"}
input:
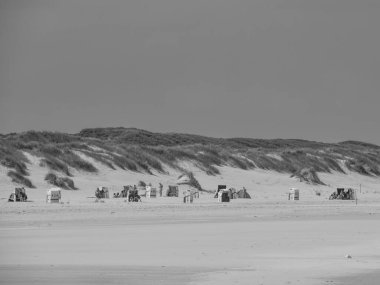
[(164, 241), (264, 240)]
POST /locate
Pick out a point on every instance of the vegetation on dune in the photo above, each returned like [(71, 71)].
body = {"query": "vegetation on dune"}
[(125, 163), (308, 175), (363, 166), (143, 159), (360, 144), (146, 152), (20, 179), (73, 160), (18, 166), (55, 164), (15, 160), (11, 157), (193, 181), (62, 182), (102, 158)]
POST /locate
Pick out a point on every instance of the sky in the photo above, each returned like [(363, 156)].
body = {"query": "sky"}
[(224, 68)]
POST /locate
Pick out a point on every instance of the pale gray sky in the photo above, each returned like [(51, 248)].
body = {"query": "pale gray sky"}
[(226, 68)]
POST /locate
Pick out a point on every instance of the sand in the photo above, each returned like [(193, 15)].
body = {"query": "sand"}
[(242, 242), (368, 278), (265, 240), (68, 274)]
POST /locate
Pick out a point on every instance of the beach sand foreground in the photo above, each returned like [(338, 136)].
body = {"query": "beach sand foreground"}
[(163, 241)]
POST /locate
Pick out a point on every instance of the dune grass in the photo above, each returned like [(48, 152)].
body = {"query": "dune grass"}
[(18, 166), (308, 175), (62, 182), (193, 181), (73, 160), (55, 164), (20, 179), (146, 152), (100, 157)]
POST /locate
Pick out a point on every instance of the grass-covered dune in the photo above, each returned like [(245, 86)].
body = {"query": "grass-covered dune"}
[(147, 152)]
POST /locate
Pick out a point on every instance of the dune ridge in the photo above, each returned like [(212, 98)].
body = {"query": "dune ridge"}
[(147, 153)]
